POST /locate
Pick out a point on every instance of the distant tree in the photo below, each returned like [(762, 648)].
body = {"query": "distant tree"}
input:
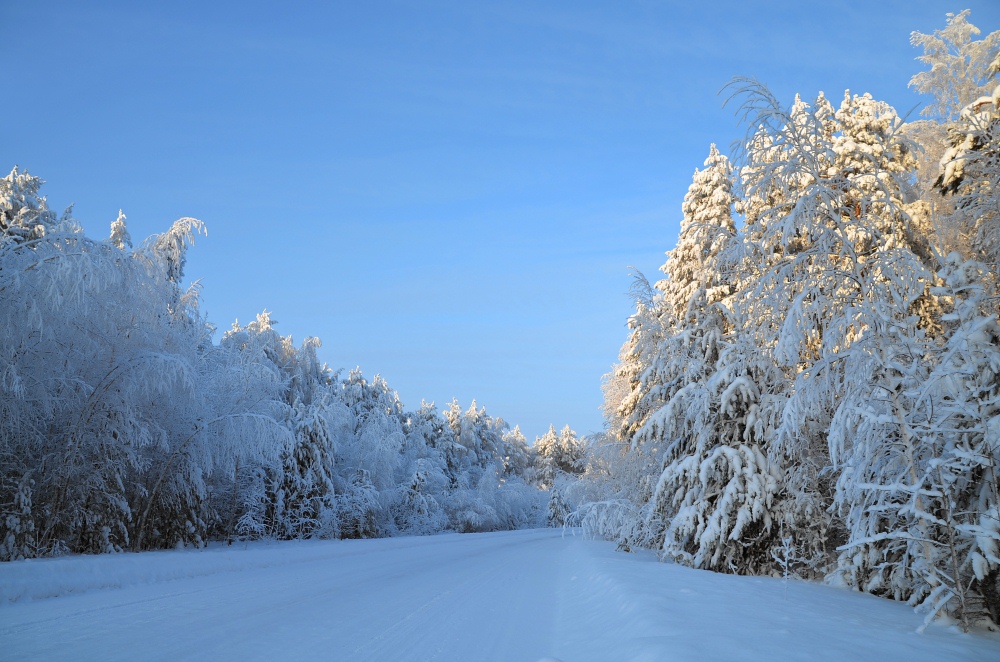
[(120, 237), (124, 426), (480, 435), (559, 452), (557, 509)]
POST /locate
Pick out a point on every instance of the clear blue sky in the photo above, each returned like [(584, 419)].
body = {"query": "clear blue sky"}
[(446, 193)]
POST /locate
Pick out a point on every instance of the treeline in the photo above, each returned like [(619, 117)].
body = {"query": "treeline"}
[(814, 387), (123, 426)]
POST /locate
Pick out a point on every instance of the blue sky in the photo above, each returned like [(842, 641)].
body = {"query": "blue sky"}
[(447, 193)]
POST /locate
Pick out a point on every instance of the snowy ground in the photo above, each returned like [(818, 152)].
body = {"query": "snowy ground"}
[(523, 595)]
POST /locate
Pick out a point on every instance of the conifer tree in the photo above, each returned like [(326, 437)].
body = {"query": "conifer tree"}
[(692, 267)]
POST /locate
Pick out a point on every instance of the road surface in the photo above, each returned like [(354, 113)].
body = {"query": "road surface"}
[(523, 595)]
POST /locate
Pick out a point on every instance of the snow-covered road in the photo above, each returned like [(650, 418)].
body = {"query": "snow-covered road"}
[(522, 595)]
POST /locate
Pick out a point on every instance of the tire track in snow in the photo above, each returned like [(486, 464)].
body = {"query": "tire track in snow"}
[(515, 623)]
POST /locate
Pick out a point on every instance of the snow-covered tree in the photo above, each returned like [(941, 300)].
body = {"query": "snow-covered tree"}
[(838, 253), (625, 387), (519, 459), (919, 460), (715, 500), (109, 416), (694, 280), (959, 64), (479, 434), (24, 215), (558, 510), (959, 136), (120, 237), (559, 452), (816, 391), (124, 426), (970, 170)]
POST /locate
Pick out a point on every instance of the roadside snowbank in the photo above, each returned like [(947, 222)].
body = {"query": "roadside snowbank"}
[(36, 579)]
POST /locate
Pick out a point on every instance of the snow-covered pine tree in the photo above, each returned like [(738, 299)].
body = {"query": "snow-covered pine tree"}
[(24, 215), (480, 434), (428, 428), (694, 279), (625, 387), (306, 491), (675, 341), (559, 452), (519, 459), (695, 285), (301, 492), (120, 237), (715, 500), (557, 509), (694, 291)]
